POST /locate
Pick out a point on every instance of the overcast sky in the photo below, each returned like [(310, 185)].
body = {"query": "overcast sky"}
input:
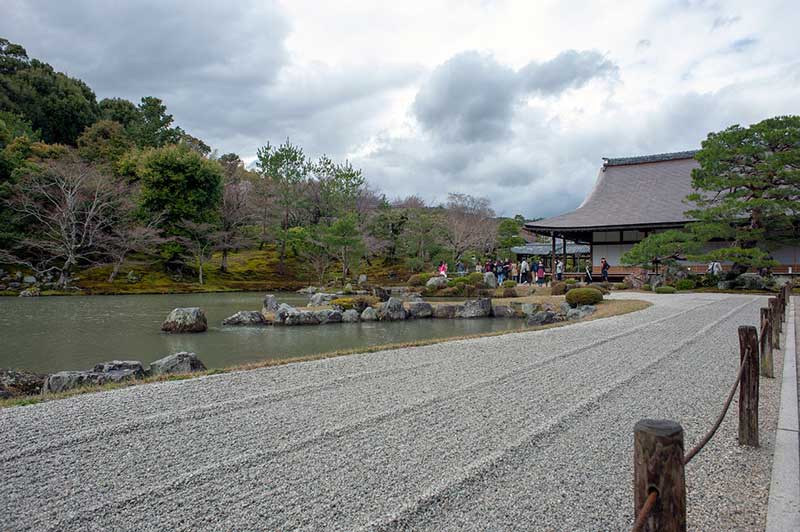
[(515, 101)]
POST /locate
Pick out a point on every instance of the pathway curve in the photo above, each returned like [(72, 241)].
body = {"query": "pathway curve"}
[(526, 431)]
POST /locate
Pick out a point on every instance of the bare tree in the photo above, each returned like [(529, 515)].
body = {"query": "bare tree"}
[(69, 208), (235, 213), (199, 242), (469, 224)]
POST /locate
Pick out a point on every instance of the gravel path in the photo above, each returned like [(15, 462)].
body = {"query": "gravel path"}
[(527, 431)]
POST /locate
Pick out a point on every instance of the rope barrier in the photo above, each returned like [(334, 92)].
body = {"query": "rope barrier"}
[(645, 511), (699, 447)]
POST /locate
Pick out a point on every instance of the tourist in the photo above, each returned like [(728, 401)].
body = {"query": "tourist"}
[(604, 266), (514, 272), (523, 272), (498, 271), (460, 268), (443, 269), (540, 274), (559, 269), (478, 267), (534, 270), (488, 267)]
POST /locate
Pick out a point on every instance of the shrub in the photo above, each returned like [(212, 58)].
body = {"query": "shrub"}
[(647, 288), (358, 303), (475, 278), (558, 289), (458, 281), (685, 284), (571, 281), (620, 286), (665, 290), (584, 296), (509, 284), (419, 279)]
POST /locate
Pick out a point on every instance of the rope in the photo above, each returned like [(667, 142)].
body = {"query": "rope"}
[(697, 448), (645, 511)]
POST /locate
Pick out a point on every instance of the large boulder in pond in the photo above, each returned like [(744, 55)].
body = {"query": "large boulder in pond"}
[(420, 309), (328, 316), (437, 282), (177, 363), (320, 298), (392, 310), (16, 383), (445, 312), (270, 304), (369, 314), (301, 317), (503, 311), (350, 316), (283, 311), (475, 308), (185, 320), (245, 318), (489, 280)]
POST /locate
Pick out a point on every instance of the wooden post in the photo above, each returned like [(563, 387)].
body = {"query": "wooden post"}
[(658, 465), (748, 387), (765, 346), (775, 330)]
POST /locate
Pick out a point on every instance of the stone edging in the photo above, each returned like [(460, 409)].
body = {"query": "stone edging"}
[(783, 512)]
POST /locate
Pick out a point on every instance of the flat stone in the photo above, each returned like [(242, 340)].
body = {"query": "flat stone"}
[(435, 283), (245, 318), (445, 312), (121, 366), (503, 311), (420, 309)]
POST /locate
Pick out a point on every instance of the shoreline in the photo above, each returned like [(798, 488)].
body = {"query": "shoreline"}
[(609, 308)]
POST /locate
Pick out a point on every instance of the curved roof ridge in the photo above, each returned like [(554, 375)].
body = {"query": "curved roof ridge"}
[(657, 157)]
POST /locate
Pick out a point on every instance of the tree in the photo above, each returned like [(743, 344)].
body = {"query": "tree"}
[(285, 171), (179, 185), (59, 106), (68, 207), (235, 214), (421, 239), (152, 127), (104, 142), (343, 239), (198, 241), (667, 247), (340, 186), (128, 236), (468, 224), (313, 249), (119, 110), (508, 235)]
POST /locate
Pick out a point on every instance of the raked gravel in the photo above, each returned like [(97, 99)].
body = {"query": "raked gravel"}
[(526, 431)]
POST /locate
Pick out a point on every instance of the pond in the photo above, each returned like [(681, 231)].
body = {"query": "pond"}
[(49, 334)]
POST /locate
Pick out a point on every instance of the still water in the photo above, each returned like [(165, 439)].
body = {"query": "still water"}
[(51, 334)]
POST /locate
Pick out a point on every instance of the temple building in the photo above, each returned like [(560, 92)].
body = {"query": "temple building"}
[(632, 198)]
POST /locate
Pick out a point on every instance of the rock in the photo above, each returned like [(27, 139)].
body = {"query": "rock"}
[(348, 289), (636, 280), (3, 287), (362, 279), (528, 309), (283, 311), (121, 365), (303, 317), (270, 304), (246, 318), (725, 285), (392, 310), (329, 316), (132, 277), (435, 283), (581, 312), (350, 316), (185, 320), (655, 281), (419, 310), (369, 314), (475, 308), (69, 380), (503, 311), (16, 383), (18, 276), (445, 312), (14, 285), (308, 290), (564, 308), (30, 292), (542, 317), (751, 281), (381, 293), (489, 280), (411, 297), (320, 298), (29, 279), (182, 362)]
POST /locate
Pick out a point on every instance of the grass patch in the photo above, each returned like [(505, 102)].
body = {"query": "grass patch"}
[(605, 309)]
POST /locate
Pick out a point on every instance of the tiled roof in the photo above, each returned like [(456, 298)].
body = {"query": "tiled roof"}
[(632, 192)]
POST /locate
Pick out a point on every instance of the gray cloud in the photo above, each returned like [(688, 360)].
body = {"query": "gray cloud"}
[(724, 21), (471, 97)]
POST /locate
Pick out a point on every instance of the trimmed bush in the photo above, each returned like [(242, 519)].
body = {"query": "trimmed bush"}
[(358, 303), (419, 279), (458, 281), (571, 281), (685, 284), (558, 289), (509, 284), (584, 296), (475, 278), (665, 290)]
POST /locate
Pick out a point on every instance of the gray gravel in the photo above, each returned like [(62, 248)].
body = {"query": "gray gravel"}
[(527, 431)]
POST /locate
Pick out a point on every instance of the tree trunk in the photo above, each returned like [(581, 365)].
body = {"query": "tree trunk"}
[(224, 266), (200, 271), (114, 271)]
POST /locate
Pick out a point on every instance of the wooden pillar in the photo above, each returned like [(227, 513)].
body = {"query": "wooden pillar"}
[(658, 466), (765, 345), (748, 387), (553, 255), (564, 251), (776, 332)]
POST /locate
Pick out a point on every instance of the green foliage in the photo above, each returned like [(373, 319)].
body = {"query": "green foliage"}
[(668, 247), (178, 184), (119, 110), (339, 186), (685, 284), (152, 127), (358, 303), (584, 296), (104, 142), (344, 241), (509, 284), (55, 104), (419, 279), (509, 235), (665, 290), (475, 278), (620, 286), (570, 281)]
